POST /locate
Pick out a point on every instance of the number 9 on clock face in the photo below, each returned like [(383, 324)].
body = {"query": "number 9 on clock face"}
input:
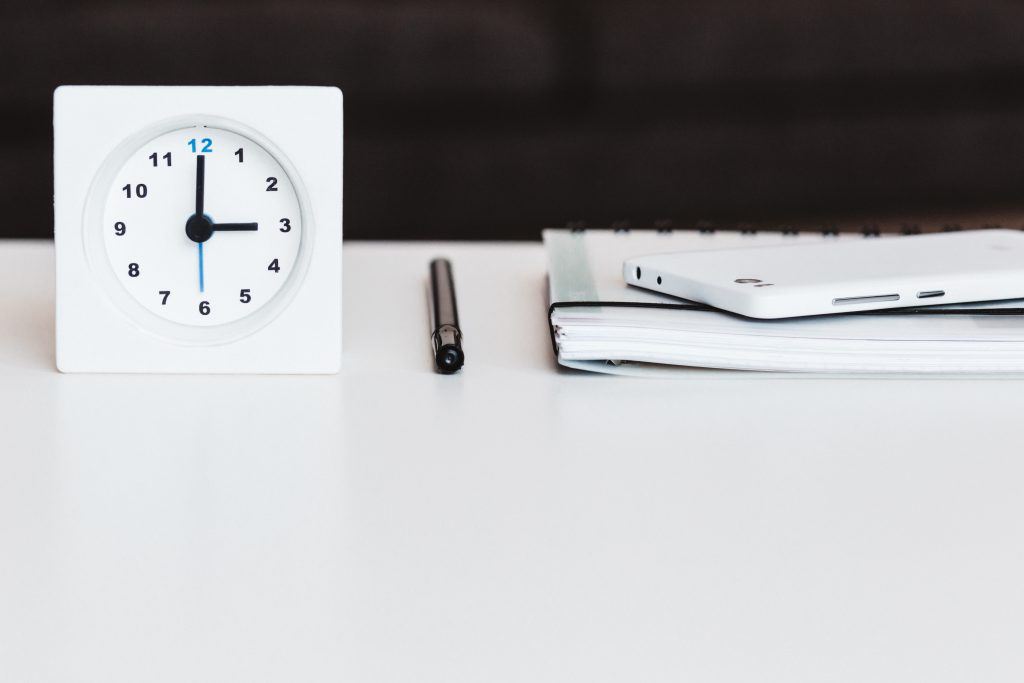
[(202, 226)]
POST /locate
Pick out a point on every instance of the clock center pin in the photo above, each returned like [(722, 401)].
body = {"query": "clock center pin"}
[(199, 228)]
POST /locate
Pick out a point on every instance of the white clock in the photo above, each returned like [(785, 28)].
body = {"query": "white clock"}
[(198, 229)]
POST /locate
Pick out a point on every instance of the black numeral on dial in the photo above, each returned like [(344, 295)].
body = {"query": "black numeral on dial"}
[(244, 296), (274, 266), (164, 293), (140, 191), (119, 228), (133, 270), (240, 154), (286, 225), (204, 308), (156, 159), (271, 184)]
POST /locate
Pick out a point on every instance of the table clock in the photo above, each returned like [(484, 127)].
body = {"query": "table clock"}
[(198, 229)]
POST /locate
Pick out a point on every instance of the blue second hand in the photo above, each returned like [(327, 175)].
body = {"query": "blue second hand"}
[(201, 267)]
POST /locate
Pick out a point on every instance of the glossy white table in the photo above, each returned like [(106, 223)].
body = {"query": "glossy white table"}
[(511, 523)]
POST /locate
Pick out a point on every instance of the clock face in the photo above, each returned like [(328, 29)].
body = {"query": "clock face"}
[(202, 226)]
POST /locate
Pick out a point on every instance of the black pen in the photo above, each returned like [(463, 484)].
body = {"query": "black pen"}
[(448, 355)]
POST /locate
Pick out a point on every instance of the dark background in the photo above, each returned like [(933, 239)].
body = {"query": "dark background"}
[(490, 119)]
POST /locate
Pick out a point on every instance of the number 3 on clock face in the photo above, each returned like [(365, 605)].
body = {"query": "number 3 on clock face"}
[(202, 226)]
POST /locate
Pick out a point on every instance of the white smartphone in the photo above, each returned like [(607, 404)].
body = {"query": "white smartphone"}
[(787, 281)]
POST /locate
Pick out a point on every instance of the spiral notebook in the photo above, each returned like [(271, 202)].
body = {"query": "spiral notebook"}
[(599, 323)]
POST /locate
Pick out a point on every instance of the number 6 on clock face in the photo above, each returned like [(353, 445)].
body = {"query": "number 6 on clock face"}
[(191, 213)]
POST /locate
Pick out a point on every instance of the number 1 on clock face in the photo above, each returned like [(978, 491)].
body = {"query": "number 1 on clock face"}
[(202, 226)]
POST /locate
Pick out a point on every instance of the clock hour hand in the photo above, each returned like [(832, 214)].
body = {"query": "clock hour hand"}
[(235, 227)]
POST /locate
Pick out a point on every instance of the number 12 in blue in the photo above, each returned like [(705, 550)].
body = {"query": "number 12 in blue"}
[(206, 145)]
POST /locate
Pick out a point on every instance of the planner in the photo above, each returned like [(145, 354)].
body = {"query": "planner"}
[(599, 323)]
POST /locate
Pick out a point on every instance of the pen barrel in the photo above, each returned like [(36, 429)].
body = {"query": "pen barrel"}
[(445, 311), (448, 355)]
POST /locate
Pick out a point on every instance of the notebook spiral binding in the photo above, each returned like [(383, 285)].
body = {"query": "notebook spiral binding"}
[(867, 229)]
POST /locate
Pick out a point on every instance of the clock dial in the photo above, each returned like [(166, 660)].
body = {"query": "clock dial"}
[(202, 226)]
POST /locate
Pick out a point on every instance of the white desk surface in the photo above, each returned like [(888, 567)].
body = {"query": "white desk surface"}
[(511, 523)]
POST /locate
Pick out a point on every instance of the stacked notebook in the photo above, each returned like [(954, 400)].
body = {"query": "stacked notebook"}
[(601, 324)]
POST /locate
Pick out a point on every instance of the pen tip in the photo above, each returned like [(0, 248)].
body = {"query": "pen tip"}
[(450, 359)]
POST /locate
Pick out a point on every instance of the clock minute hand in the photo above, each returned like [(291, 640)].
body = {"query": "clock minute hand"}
[(200, 183), (235, 227), (198, 227)]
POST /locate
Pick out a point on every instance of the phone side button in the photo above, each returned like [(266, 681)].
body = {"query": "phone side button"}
[(932, 294), (851, 300)]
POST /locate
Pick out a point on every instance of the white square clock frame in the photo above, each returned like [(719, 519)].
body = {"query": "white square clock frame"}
[(198, 229)]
